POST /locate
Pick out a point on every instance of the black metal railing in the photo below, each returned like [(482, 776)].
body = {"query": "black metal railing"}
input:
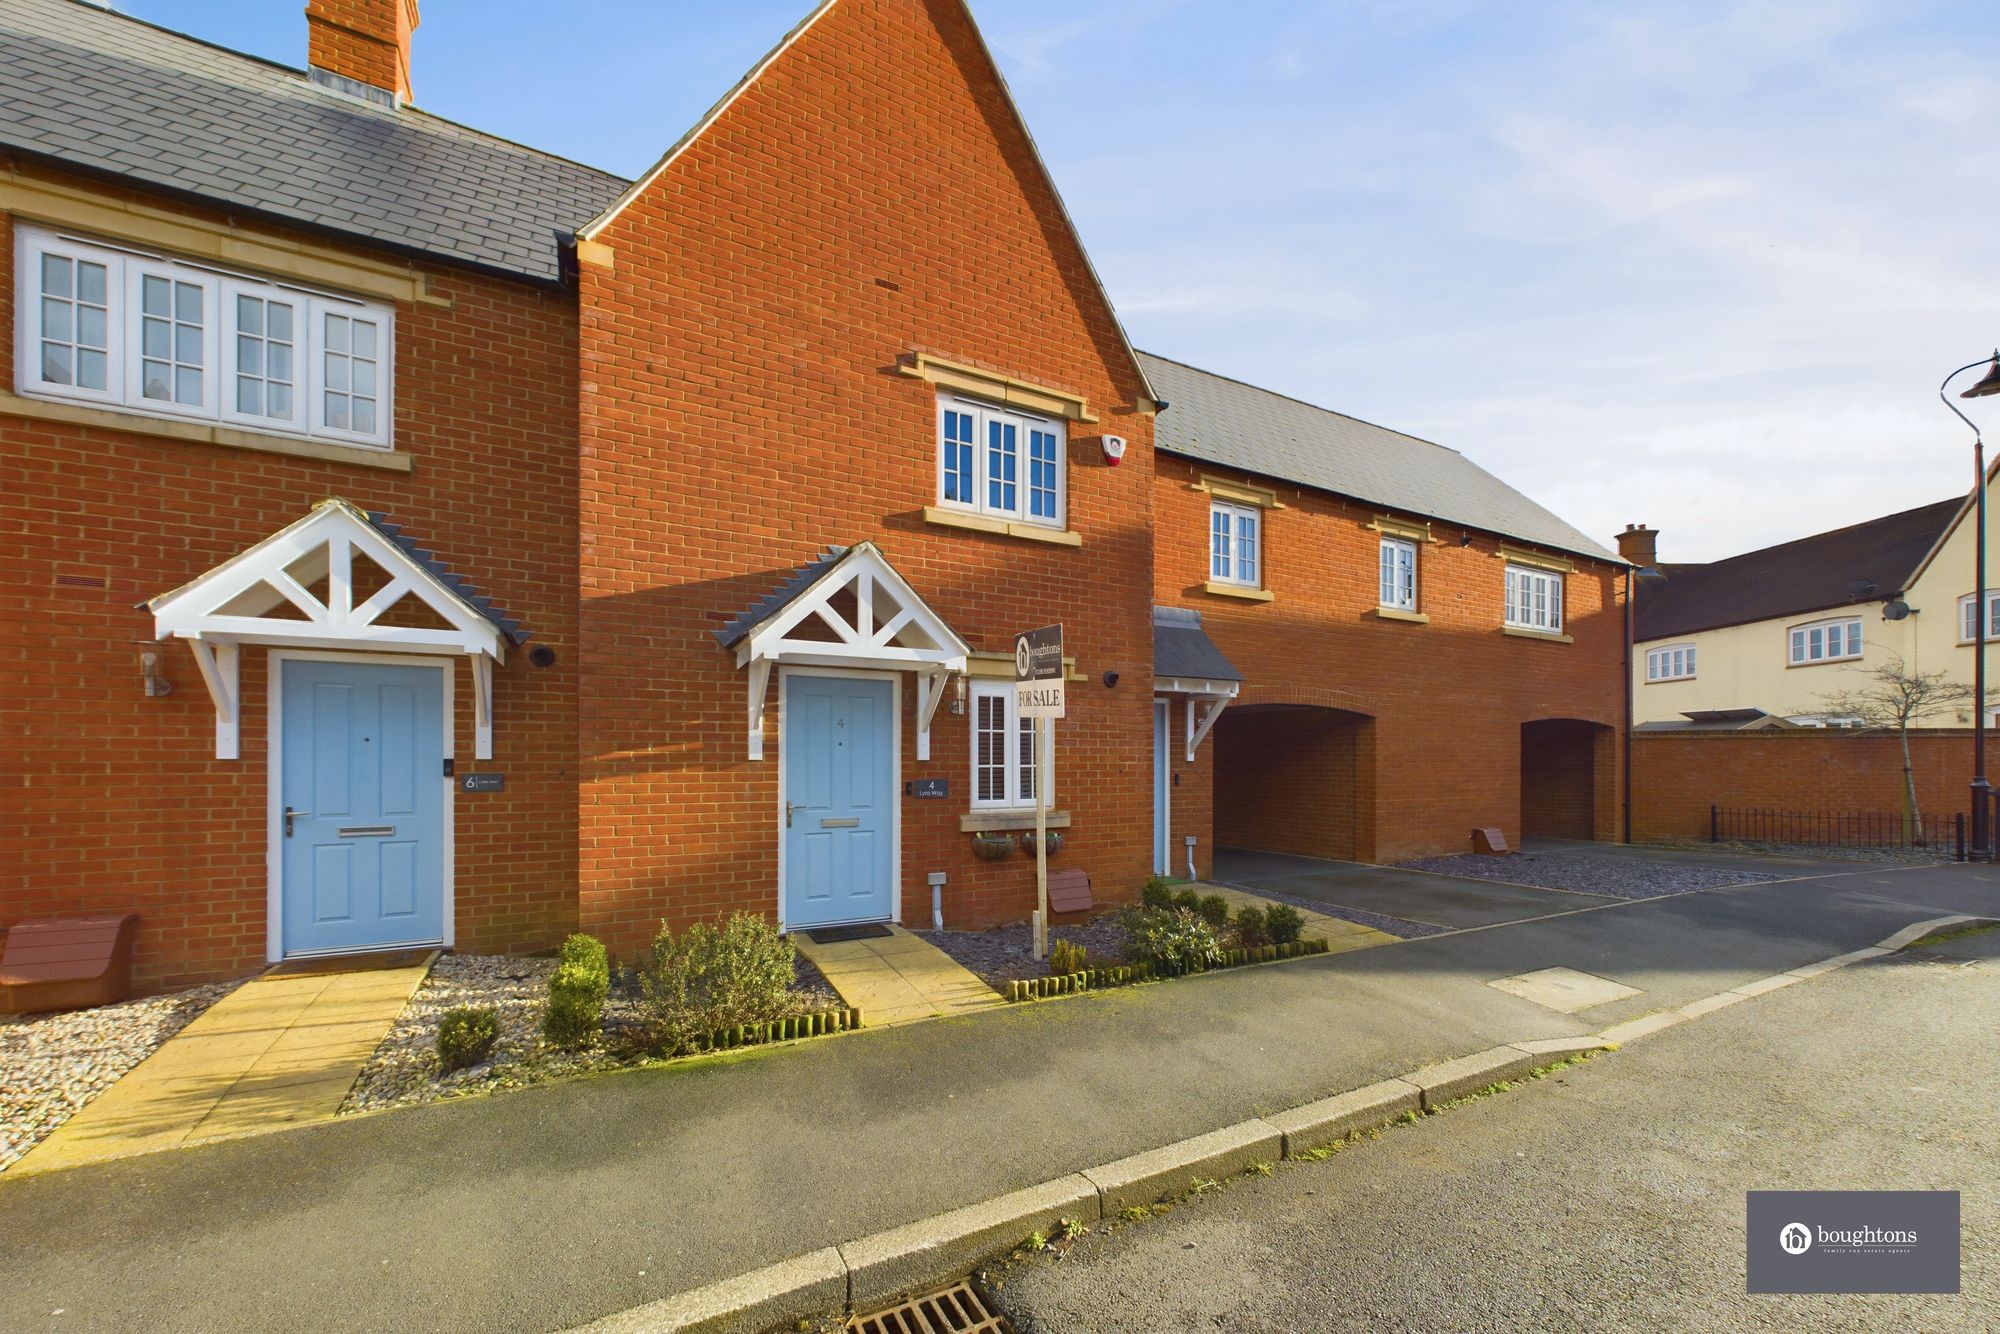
[(1841, 829)]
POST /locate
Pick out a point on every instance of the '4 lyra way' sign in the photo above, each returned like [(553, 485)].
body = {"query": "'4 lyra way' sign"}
[(1038, 673)]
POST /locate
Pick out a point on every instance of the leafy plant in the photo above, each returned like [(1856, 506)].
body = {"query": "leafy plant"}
[(1214, 910), (706, 979), (1066, 956), (1283, 923), (1188, 899), (575, 1011), (1157, 893), (1251, 927), (1175, 941), (466, 1036)]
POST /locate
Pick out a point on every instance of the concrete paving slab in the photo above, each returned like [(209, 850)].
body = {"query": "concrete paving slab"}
[(898, 978), (908, 1259), (780, 1296), (1564, 990), (1173, 1169), (1331, 1120)]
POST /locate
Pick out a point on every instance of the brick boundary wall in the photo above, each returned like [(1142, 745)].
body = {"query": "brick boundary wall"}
[(1677, 777)]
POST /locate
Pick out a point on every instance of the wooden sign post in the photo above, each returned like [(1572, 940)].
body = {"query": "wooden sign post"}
[(1038, 694)]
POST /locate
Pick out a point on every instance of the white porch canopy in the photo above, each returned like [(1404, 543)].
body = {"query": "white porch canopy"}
[(850, 609), (1206, 699), (297, 589)]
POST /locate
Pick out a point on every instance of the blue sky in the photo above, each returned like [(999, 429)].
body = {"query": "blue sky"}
[(1699, 265)]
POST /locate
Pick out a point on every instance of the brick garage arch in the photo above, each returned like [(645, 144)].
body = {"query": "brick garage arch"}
[(1295, 775), (1569, 779)]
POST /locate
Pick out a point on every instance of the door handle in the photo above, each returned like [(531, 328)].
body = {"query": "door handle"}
[(291, 815), (788, 815)]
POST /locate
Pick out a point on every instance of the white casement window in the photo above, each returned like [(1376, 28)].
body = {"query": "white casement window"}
[(1000, 462), (153, 334), (1399, 574), (1003, 750), (1968, 627), (1829, 641), (1534, 599), (1675, 663), (1235, 545)]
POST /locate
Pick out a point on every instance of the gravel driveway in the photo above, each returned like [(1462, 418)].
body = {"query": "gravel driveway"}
[(1616, 877)]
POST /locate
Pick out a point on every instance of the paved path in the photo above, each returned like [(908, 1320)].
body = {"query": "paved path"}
[(548, 1207), (898, 978), (1610, 1197), (276, 1052)]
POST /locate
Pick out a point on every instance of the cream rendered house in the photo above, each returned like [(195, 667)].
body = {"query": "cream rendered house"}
[(1767, 637)]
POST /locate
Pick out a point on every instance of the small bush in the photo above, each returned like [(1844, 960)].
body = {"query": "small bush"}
[(1176, 941), (1157, 893), (1252, 929), (1214, 910), (1066, 957), (575, 1011), (1283, 923), (706, 979), (1188, 900), (466, 1036)]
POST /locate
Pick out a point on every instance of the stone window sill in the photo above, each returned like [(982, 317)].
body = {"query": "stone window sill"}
[(202, 433), (1238, 591), (980, 523), (995, 822), (1520, 633), (1398, 614)]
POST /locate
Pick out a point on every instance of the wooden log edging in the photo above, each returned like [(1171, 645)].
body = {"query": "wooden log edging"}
[(818, 1023), (1098, 979)]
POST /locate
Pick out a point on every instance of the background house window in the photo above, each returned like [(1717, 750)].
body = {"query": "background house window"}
[(1534, 599), (1003, 749), (1968, 628), (1829, 641), (1000, 462), (1233, 543), (1399, 574), (167, 337), (1670, 664)]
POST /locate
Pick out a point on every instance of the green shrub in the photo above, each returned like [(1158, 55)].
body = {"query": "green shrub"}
[(1187, 899), (1157, 893), (1284, 923), (1214, 910), (466, 1036), (706, 979), (1252, 928), (1175, 941), (1066, 957), (575, 1011)]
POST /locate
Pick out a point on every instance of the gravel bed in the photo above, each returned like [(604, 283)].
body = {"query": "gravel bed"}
[(1006, 953), (404, 1069), (1615, 877), (52, 1064)]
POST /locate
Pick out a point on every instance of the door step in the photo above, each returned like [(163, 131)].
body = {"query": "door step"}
[(958, 1309)]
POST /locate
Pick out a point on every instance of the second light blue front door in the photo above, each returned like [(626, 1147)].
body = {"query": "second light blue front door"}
[(839, 798), (361, 829)]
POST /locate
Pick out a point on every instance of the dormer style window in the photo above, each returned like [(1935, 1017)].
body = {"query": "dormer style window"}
[(1000, 462), (1828, 641), (142, 332)]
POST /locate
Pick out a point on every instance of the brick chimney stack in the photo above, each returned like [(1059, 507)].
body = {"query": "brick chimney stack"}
[(1640, 545), (363, 46)]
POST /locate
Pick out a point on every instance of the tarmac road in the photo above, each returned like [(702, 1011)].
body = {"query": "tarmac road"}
[(1609, 1197)]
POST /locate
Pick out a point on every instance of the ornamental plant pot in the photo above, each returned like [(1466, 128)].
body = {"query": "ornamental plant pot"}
[(1055, 837), (991, 847)]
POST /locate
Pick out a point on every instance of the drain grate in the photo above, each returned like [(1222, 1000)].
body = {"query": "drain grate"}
[(956, 1310)]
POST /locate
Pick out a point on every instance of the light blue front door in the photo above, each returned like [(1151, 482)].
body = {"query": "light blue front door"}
[(839, 800), (362, 833)]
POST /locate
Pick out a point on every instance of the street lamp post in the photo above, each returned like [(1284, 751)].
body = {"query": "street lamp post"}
[(1982, 791)]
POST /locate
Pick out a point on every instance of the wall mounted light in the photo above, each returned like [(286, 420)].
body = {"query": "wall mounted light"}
[(149, 668), (958, 697)]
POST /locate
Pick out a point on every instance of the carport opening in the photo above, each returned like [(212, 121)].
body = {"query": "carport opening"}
[(1294, 778), (1565, 769)]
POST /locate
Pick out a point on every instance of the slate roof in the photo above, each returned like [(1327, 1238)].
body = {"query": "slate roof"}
[(515, 633), (773, 602), (1220, 420), (1182, 648), (1863, 563), (100, 91)]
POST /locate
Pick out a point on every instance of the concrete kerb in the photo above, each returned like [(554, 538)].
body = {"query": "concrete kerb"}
[(932, 1251)]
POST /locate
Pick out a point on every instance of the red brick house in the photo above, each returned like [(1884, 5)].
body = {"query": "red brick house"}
[(421, 539)]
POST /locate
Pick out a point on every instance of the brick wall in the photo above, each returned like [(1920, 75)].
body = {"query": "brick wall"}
[(1289, 780), (742, 410), (112, 800), (1447, 698), (1677, 777), (1560, 778)]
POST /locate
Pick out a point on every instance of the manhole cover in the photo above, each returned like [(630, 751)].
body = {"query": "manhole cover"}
[(1564, 989), (956, 1310)]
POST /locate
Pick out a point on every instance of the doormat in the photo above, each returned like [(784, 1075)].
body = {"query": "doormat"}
[(833, 935), (351, 963)]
